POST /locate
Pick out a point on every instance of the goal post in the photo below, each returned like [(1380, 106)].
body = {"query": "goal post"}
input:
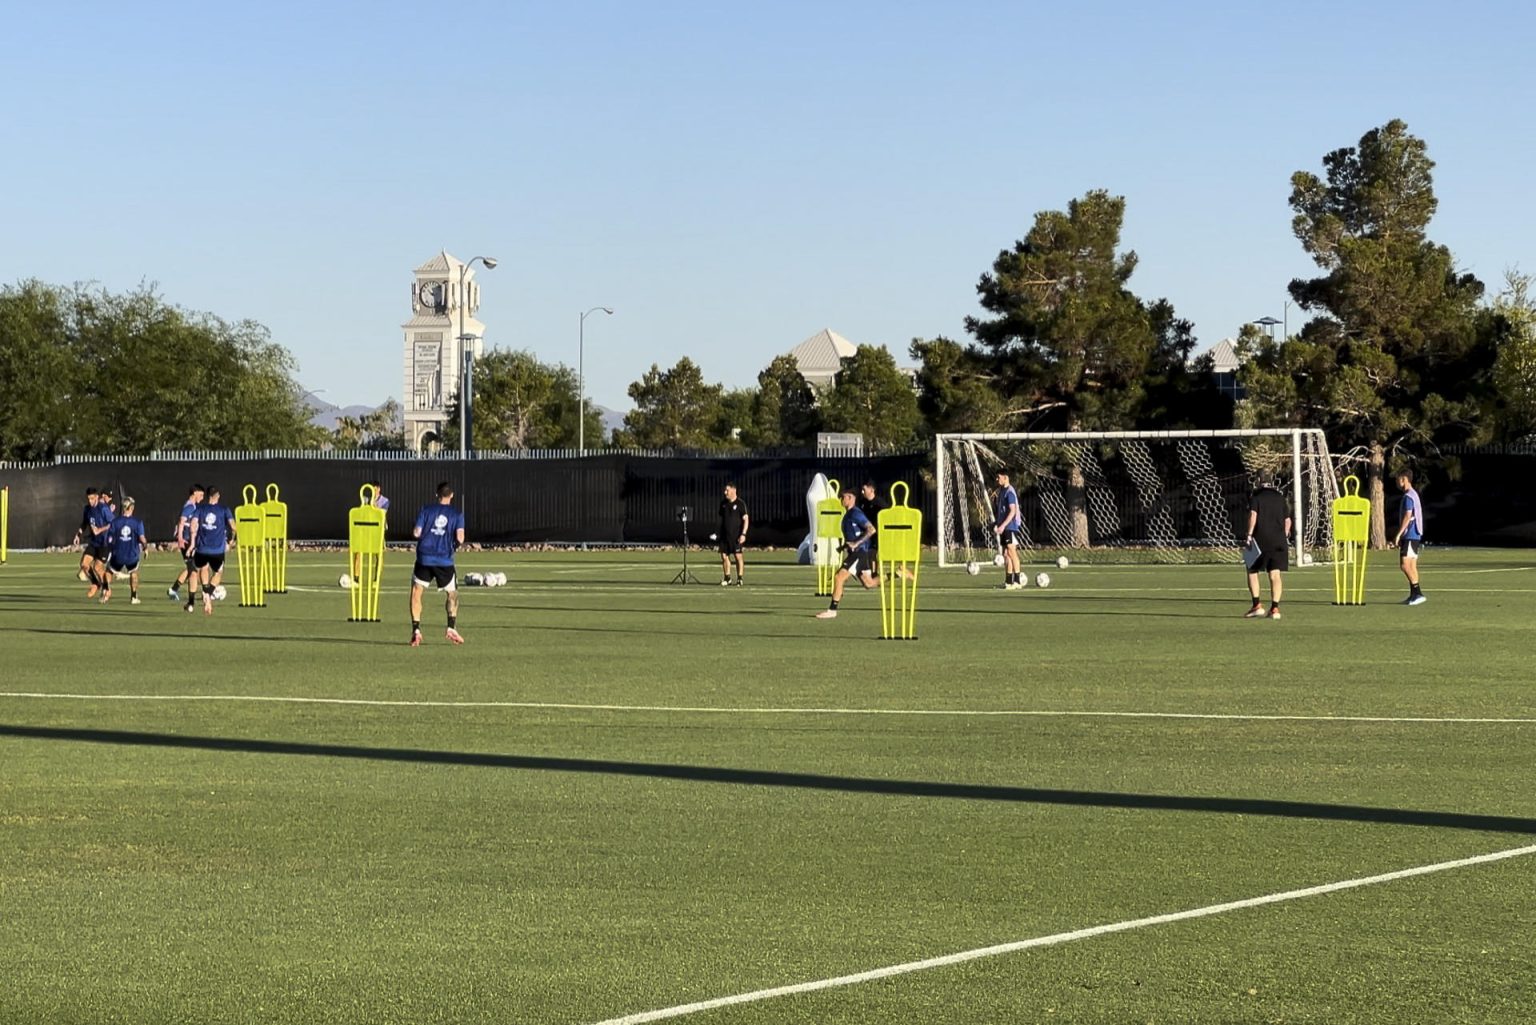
[(1131, 496)]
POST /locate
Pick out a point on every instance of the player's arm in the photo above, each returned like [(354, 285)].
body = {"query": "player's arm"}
[(192, 534), (458, 539), (869, 532), (746, 521), (1253, 521), (1402, 528), (1288, 525)]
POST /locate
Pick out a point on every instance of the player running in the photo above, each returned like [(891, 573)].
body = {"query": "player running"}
[(213, 527), (99, 517), (439, 531), (183, 535), (127, 549), (85, 535), (858, 536)]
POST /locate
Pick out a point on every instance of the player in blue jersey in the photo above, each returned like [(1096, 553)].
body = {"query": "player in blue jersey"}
[(127, 549), (1007, 524), (213, 528), (85, 536), (183, 536), (100, 517), (1410, 537), (439, 531), (858, 558)]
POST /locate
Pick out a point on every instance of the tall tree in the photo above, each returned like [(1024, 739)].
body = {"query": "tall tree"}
[(1071, 340), (39, 374), (874, 398), (956, 387), (733, 422), (1392, 362), (1514, 368), (521, 403), (784, 410), (1179, 390), (673, 408)]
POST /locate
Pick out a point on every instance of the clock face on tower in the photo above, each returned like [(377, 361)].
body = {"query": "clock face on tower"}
[(433, 295)]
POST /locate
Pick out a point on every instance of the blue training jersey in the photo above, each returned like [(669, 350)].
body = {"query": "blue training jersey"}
[(1413, 506), (439, 525), (101, 516), (184, 524), (125, 534), (855, 524), (213, 522), (1006, 497)]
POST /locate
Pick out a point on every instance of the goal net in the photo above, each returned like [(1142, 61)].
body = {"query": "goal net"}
[(1131, 496)]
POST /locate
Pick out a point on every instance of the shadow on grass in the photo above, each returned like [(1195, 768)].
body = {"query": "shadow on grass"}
[(799, 780), (190, 634)]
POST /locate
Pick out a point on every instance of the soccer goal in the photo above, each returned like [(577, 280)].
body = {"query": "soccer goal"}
[(1131, 496)]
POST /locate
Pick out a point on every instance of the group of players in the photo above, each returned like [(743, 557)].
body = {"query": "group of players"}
[(115, 543)]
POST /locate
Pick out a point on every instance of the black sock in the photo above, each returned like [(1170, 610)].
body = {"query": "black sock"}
[(453, 621), (415, 626), (833, 606), (133, 592), (1413, 589)]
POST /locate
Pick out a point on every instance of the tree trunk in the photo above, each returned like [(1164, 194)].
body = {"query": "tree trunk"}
[(1077, 506), (1375, 488)]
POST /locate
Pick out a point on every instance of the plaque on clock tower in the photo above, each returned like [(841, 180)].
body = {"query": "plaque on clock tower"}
[(433, 356)]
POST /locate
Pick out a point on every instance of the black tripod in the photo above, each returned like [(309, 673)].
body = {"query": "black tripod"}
[(683, 575)]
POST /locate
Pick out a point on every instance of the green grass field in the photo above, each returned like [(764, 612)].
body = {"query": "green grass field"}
[(622, 797)]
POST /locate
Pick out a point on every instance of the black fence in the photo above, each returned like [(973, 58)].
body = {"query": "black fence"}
[(596, 499)]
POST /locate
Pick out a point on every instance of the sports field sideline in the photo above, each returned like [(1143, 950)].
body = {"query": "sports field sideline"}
[(1114, 800)]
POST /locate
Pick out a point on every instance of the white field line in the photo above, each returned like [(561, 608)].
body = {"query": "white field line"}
[(1062, 937), (1002, 713)]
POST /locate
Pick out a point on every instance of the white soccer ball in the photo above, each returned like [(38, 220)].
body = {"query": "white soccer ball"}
[(219, 593), (1306, 559), (997, 560), (973, 568), (474, 580), (1043, 580), (1061, 562), (344, 582)]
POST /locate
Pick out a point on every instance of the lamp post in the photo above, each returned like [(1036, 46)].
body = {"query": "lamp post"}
[(466, 373), (581, 378), (1285, 318)]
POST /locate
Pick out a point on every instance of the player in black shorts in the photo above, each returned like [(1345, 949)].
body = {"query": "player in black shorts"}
[(734, 521), (1269, 527)]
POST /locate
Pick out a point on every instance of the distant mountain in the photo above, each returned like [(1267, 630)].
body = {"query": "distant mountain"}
[(326, 415), (612, 418)]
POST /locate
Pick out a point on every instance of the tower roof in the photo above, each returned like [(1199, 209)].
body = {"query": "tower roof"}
[(823, 352)]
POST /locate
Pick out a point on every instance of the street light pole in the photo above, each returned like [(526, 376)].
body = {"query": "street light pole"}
[(466, 375), (581, 378)]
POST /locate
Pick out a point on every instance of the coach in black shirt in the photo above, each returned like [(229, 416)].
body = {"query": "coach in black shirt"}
[(734, 521), (1269, 526)]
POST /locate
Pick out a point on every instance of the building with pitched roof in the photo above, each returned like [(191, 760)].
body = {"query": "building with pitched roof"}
[(821, 356)]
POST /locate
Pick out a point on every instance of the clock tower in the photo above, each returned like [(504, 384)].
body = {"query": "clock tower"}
[(433, 370)]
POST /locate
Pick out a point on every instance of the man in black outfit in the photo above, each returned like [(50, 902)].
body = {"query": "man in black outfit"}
[(1269, 525), (734, 521), (870, 505)]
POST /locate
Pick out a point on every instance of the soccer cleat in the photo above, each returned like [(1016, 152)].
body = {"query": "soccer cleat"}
[(106, 596), (415, 638), (453, 635), (134, 600), (726, 582), (207, 604), (92, 592), (827, 614), (1417, 599), (173, 594), (81, 576), (1257, 612), (1274, 613), (740, 582)]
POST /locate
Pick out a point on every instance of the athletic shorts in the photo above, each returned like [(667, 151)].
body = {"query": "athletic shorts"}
[(117, 567), (1273, 559), (1010, 538), (187, 555), (101, 553), (442, 576), (859, 561), (1409, 549), (730, 544), (212, 561)]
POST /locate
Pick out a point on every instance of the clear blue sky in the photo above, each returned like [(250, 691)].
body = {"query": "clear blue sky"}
[(731, 179)]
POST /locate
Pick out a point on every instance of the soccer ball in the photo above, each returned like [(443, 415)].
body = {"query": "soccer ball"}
[(344, 582), (1306, 559), (973, 568), (475, 580), (219, 593), (1043, 580), (1061, 562), (997, 560), (501, 580)]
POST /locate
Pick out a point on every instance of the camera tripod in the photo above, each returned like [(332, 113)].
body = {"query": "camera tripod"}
[(683, 575)]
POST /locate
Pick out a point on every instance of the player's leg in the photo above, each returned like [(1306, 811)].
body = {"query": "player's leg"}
[(1010, 559), (830, 612), (741, 566), (1409, 561), (1256, 610), (133, 585), (106, 583), (1276, 588), (451, 606), (725, 564), (417, 586)]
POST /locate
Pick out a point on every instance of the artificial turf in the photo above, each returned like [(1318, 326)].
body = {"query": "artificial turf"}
[(622, 795)]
